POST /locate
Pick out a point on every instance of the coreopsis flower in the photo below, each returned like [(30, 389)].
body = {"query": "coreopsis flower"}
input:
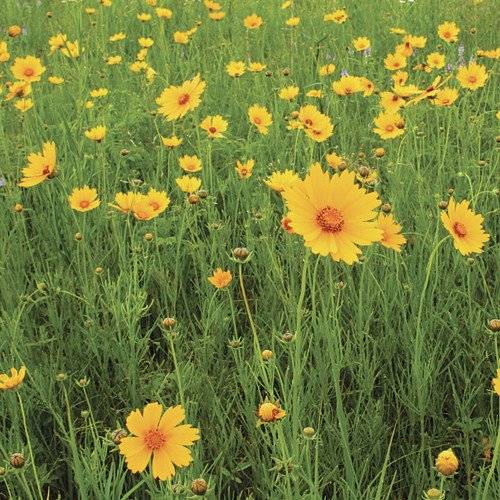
[(327, 69), (405, 49), (289, 93), (447, 462), (214, 125), (436, 60), (96, 134), (445, 97), (397, 31), (321, 132), (311, 117), (424, 67), (188, 184), (315, 93), (142, 208), (361, 43), (18, 89), (473, 77), (175, 102), (389, 125), (41, 166), (395, 61), (390, 229), (55, 80), (235, 68), (256, 66), (400, 77), (90, 11), (159, 436), (4, 54), (124, 202), (12, 381), (180, 37), (157, 200), (366, 86), (333, 214), (28, 69), (145, 42), (406, 90), (220, 278), (333, 159), (190, 163), (163, 13), (117, 36), (141, 55), (279, 181), (144, 17), (100, 92), (138, 65), (491, 54), (465, 227), (252, 22), (84, 199), (171, 142), (415, 41), (496, 382), (89, 104), (269, 412), (114, 60), (14, 31), (347, 85), (293, 21), (448, 32), (210, 5), (286, 4), (56, 42), (339, 16), (431, 91), (217, 16), (391, 102), (72, 49), (285, 224), (244, 169), (23, 104), (260, 117)]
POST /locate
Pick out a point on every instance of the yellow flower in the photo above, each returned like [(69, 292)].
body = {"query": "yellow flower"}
[(190, 163), (415, 41), (244, 169), (113, 60), (159, 436), (18, 89), (28, 69), (400, 77), (138, 65), (89, 11), (279, 181), (171, 142), (333, 160), (175, 102), (217, 16), (220, 278), (391, 102), (327, 69), (141, 55), (289, 93), (252, 22), (157, 200), (100, 92), (321, 132), (395, 61), (496, 382), (390, 236), (55, 80), (398, 31), (144, 17), (180, 37), (124, 202), (473, 77), (366, 86), (117, 36), (315, 93), (84, 199), (96, 133), (212, 5), (259, 117), (256, 66), (404, 49), (339, 16), (214, 125), (12, 381), (188, 184), (163, 13), (72, 49), (4, 54), (445, 97), (436, 60), (14, 31), (333, 214), (269, 412), (448, 32), (389, 125), (347, 85), (23, 104), (145, 42), (286, 4), (293, 21), (361, 43), (447, 462), (465, 227), (235, 68), (41, 166)]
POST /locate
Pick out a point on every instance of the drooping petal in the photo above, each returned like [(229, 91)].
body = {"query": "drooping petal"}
[(163, 468)]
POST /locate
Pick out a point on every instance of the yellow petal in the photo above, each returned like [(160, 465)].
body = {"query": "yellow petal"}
[(163, 468), (174, 416)]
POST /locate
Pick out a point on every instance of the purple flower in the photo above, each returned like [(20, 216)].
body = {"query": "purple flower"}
[(344, 72), (2, 180)]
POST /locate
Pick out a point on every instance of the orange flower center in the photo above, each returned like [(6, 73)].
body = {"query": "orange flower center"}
[(396, 64), (472, 79), (154, 205), (154, 439), (84, 203), (460, 230), (447, 34), (46, 170), (212, 130), (257, 120), (389, 127), (29, 72), (308, 123), (330, 219), (244, 171), (183, 99)]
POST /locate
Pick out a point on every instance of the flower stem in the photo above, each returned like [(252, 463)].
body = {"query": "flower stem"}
[(493, 460)]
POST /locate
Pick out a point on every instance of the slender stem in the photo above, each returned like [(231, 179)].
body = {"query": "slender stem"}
[(493, 461), (178, 375)]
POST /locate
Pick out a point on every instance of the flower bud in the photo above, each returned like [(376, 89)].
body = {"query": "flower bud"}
[(98, 270), (2, 471), (193, 199), (379, 152), (169, 323), (308, 432), (443, 205), (17, 460), (295, 114), (148, 236), (287, 336), (117, 435), (61, 377), (14, 31), (386, 208), (470, 260), (268, 73), (240, 253), (286, 72), (481, 163), (199, 486), (447, 462), (494, 325), (361, 155), (78, 236), (235, 343), (450, 191), (18, 208), (202, 194), (84, 413), (342, 166), (267, 355), (433, 494), (178, 489), (364, 171)]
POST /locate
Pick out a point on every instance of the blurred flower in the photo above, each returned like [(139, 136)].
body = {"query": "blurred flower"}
[(113, 60), (286, 4), (4, 54), (327, 69), (160, 436), (293, 21), (163, 13), (395, 61), (71, 49), (41, 166), (144, 17), (285, 224), (180, 37), (259, 117), (333, 160), (361, 43), (14, 31), (235, 68), (84, 199), (398, 31), (400, 77), (339, 16), (190, 163), (315, 93), (55, 80), (447, 462), (28, 69), (217, 16), (256, 66), (279, 181), (415, 41), (188, 184), (145, 42), (333, 214), (138, 65), (171, 142), (289, 93), (448, 32), (269, 412), (96, 134), (12, 381), (244, 169), (465, 227), (390, 230), (496, 382), (117, 36), (18, 89), (212, 5), (99, 92), (252, 22), (221, 278), (23, 104), (473, 77)]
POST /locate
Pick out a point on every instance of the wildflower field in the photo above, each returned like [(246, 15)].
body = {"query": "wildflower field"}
[(249, 249)]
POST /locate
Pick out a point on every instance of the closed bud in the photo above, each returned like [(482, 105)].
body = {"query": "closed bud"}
[(342, 166), (451, 191), (364, 171), (78, 236), (98, 270), (169, 323), (61, 377), (295, 114), (14, 31), (309, 432), (447, 462), (379, 152), (178, 489), (240, 253), (433, 494), (17, 460), (419, 134), (268, 73), (441, 129), (267, 355), (124, 152), (482, 163), (235, 344), (202, 194), (362, 258), (361, 155), (494, 325), (193, 199), (148, 236), (286, 72), (2, 471), (287, 336), (470, 260), (18, 208), (199, 486), (84, 413), (443, 205), (258, 215), (376, 91), (386, 208), (49, 14), (473, 30), (117, 435)]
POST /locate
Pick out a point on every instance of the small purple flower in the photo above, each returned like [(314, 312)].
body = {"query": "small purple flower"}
[(344, 72), (24, 31), (367, 52), (2, 180), (328, 55)]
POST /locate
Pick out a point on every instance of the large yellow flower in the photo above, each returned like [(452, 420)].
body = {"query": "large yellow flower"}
[(465, 226), (84, 199), (14, 380), (175, 102), (259, 116), (41, 166), (473, 77), (160, 436), (333, 214), (28, 69)]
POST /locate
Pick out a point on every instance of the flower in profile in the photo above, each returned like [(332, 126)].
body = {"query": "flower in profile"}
[(188, 184), (214, 125), (144, 17), (405, 49), (339, 16), (400, 77), (269, 412), (389, 125), (4, 53), (12, 381), (252, 22), (293, 21), (473, 77), (117, 36), (256, 66), (180, 37), (23, 104), (415, 41), (347, 85), (96, 134), (465, 226), (84, 199), (398, 31), (395, 61), (390, 229), (436, 60), (445, 96), (41, 166), (113, 60), (71, 49), (124, 202), (210, 5), (138, 65), (190, 163), (260, 117), (279, 181), (99, 92), (160, 436), (315, 93), (244, 169), (289, 93), (361, 43), (163, 13), (28, 69), (447, 462), (327, 69), (366, 86), (406, 90), (18, 89), (175, 102), (220, 278), (171, 142), (333, 214), (235, 69), (55, 80), (496, 382), (286, 4), (448, 32), (333, 160), (391, 102), (217, 16)]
